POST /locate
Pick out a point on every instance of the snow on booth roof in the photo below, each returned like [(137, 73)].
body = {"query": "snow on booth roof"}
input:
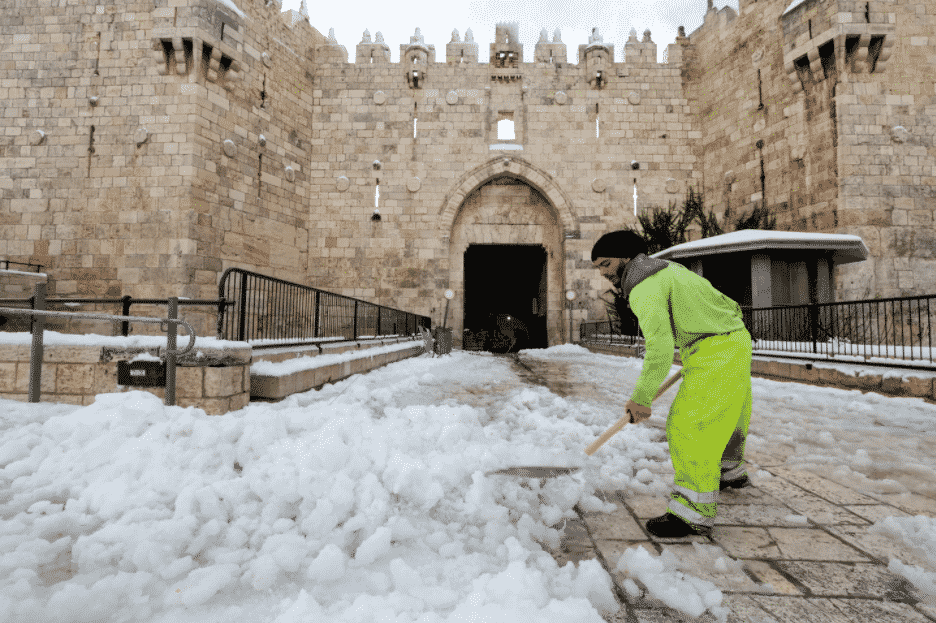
[(847, 248)]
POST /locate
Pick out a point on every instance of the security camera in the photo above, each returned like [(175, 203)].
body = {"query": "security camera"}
[(377, 165), (635, 165)]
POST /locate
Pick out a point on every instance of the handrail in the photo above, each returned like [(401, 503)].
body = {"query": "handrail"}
[(144, 319), (39, 313)]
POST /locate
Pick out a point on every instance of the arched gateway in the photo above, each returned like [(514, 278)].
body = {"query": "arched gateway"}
[(508, 221)]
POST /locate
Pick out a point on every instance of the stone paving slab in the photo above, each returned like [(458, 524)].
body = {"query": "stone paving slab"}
[(822, 487), (744, 542), (876, 512), (836, 579), (911, 503), (821, 610), (768, 575), (831, 569), (880, 546), (805, 503)]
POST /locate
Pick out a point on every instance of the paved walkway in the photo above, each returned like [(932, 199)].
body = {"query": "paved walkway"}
[(829, 570), (820, 566)]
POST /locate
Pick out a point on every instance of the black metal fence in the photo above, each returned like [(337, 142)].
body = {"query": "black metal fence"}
[(893, 328), (265, 308)]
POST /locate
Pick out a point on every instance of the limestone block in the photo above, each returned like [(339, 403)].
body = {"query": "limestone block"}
[(46, 381), (105, 377), (8, 377), (239, 401), (71, 354), (189, 382), (222, 381), (214, 406), (870, 381), (74, 378)]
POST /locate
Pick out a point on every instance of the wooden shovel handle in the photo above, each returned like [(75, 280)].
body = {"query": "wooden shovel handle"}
[(617, 426)]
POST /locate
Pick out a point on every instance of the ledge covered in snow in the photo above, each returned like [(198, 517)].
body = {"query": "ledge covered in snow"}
[(847, 248)]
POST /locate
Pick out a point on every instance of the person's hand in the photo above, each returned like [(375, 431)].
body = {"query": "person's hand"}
[(638, 413)]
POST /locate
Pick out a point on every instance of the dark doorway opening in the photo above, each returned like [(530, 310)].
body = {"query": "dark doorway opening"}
[(505, 297)]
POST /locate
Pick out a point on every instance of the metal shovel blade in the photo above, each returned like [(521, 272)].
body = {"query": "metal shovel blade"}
[(534, 471)]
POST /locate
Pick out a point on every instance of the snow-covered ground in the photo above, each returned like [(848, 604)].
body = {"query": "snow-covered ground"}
[(368, 500)]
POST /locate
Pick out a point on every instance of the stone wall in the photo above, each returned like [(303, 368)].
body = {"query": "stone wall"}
[(574, 144), (842, 148), (15, 284), (153, 145), (76, 374)]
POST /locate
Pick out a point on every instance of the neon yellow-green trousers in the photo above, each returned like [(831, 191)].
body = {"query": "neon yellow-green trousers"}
[(708, 423)]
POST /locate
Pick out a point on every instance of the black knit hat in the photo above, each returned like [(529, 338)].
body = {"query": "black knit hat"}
[(621, 243)]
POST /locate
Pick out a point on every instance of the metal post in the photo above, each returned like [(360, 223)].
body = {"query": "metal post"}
[(171, 351), (35, 351), (813, 325), (354, 329), (221, 306), (242, 312), (125, 326), (317, 319)]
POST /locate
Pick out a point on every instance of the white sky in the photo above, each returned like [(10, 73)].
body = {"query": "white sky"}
[(398, 21)]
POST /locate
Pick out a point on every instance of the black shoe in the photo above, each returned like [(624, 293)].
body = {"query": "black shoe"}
[(737, 483), (669, 526)]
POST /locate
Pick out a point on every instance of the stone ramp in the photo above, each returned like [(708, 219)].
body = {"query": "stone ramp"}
[(828, 569), (277, 387)]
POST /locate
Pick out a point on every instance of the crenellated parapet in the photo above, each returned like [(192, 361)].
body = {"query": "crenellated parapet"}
[(822, 37), (598, 59), (551, 53), (369, 52), (415, 58), (458, 52), (506, 53), (642, 51)]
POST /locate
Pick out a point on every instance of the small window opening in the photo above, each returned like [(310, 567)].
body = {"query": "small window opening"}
[(867, 12), (415, 121), (372, 56), (377, 194), (505, 127)]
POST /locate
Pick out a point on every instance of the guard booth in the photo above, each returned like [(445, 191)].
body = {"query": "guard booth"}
[(764, 268)]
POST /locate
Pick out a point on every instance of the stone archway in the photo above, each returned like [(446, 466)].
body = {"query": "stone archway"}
[(510, 205), (516, 167)]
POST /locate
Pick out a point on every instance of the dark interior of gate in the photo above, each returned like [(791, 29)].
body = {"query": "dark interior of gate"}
[(505, 297)]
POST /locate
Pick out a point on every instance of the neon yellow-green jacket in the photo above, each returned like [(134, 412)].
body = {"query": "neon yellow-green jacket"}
[(675, 308)]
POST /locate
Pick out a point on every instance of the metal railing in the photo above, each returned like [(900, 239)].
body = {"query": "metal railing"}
[(266, 308), (897, 328), (5, 265), (38, 314), (126, 302)]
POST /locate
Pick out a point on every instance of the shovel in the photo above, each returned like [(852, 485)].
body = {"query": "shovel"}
[(541, 471)]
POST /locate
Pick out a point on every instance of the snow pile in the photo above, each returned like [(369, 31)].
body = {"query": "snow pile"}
[(663, 580), (306, 509), (919, 535)]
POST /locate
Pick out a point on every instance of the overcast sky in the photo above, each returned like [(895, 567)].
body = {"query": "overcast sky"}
[(397, 20)]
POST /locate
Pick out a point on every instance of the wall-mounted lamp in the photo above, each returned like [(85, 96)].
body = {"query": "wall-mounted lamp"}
[(377, 165), (635, 165), (376, 215)]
